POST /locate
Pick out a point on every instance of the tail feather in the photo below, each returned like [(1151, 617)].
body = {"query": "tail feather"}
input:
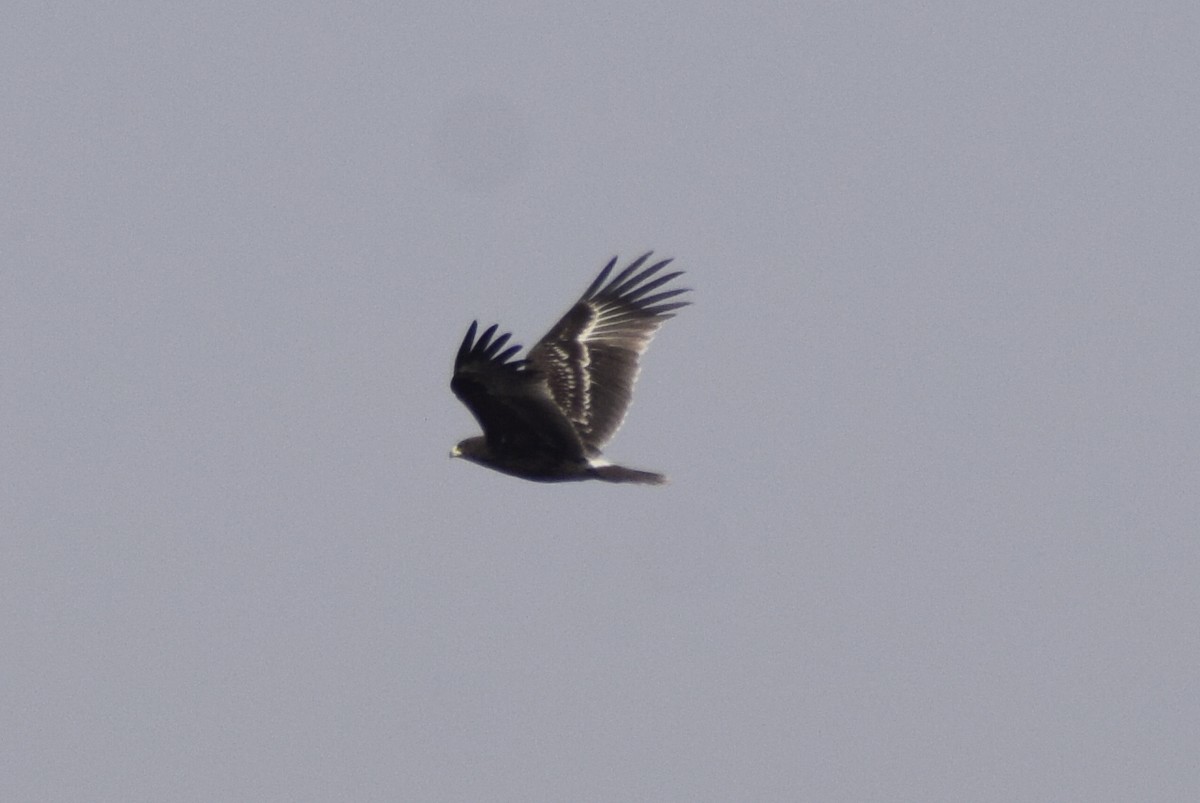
[(611, 473)]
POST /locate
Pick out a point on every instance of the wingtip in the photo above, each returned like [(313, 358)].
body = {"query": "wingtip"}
[(468, 341)]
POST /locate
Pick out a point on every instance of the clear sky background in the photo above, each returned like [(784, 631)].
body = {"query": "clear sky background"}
[(931, 422)]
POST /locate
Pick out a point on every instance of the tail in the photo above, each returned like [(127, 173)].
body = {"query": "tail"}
[(621, 474)]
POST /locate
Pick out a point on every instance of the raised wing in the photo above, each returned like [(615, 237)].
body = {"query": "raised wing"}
[(590, 357), (510, 399)]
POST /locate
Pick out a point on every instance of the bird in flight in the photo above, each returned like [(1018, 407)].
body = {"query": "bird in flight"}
[(547, 416)]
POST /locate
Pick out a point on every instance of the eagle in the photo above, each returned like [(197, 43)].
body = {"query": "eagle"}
[(547, 416)]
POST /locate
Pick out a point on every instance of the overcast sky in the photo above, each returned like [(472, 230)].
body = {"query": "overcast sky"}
[(931, 422)]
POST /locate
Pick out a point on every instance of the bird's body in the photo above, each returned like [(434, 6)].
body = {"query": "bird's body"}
[(546, 417)]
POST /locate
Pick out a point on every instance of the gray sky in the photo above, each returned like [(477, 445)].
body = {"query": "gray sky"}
[(931, 422)]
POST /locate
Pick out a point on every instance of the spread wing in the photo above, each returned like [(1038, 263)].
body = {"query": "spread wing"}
[(510, 399), (590, 357)]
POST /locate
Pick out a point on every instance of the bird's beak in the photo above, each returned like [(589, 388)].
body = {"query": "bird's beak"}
[(456, 452)]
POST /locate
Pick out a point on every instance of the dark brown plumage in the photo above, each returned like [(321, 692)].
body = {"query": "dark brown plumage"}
[(546, 417)]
